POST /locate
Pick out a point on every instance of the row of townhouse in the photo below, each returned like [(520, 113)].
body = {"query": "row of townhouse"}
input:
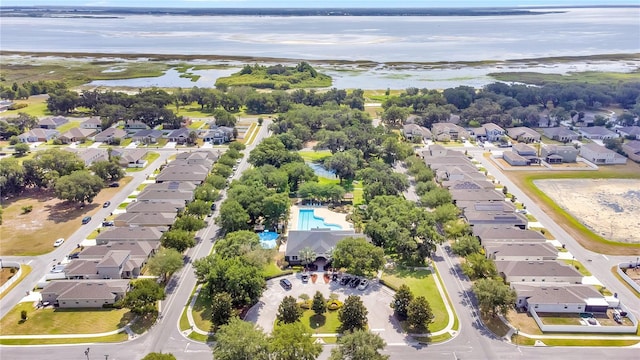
[(98, 275), (523, 258)]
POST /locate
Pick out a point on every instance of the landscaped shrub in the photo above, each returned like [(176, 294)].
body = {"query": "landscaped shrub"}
[(305, 304), (23, 314), (27, 209), (334, 304)]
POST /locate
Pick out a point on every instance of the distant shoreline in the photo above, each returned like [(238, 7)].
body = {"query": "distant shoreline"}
[(88, 56)]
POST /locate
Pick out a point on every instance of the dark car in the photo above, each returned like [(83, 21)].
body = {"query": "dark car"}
[(108, 223), (305, 278), (106, 204), (115, 184), (75, 255), (345, 280), (334, 277), (354, 283), (286, 284), (213, 206), (86, 220)]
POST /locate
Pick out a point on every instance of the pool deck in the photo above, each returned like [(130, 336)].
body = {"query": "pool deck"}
[(329, 217)]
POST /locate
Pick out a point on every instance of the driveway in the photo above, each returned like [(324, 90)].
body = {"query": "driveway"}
[(376, 298)]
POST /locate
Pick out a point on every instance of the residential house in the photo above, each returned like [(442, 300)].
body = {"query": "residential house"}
[(489, 132), (446, 173), (320, 241), (584, 118), (561, 134), (92, 123), (175, 173), (476, 195), (488, 234), (113, 265), (165, 195), (147, 136), (135, 125), (467, 183), (38, 135), (523, 134), (139, 253), (597, 133), (132, 158), (110, 135), (218, 134), (501, 218), (85, 293), (52, 122), (632, 149), (538, 271), (208, 164), (172, 185), (201, 157), (544, 298), (600, 155), (76, 134), (448, 132), (521, 251), (116, 234), (436, 150), (415, 131), (556, 154), (160, 206), (90, 155), (150, 219), (504, 206), (629, 132), (514, 159), (180, 136)]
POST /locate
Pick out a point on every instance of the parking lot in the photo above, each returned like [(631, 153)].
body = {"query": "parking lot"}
[(375, 297)]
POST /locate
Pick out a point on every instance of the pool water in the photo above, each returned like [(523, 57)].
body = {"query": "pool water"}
[(319, 170), (307, 221), (268, 239)]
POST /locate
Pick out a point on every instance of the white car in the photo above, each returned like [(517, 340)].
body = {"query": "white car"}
[(363, 284), (58, 242)]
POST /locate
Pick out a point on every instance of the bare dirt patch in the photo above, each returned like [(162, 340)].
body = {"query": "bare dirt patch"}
[(609, 207), (33, 233)]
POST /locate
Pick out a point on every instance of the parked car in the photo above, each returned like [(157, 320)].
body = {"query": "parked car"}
[(108, 223), (74, 255), (86, 220), (363, 284), (354, 283), (213, 206), (106, 204), (58, 242), (345, 280), (305, 278), (286, 284), (114, 184)]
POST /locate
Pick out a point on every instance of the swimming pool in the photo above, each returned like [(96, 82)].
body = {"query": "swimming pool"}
[(268, 239), (307, 221)]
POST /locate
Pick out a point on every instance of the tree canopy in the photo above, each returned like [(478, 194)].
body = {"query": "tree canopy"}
[(358, 256)]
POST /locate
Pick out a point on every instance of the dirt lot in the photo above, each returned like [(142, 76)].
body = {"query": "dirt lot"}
[(609, 207), (34, 233)]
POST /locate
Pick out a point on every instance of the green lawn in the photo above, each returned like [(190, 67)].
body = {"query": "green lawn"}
[(558, 319), (251, 134), (120, 337), (196, 125), (202, 311), (272, 270), (578, 342), (150, 157), (321, 324), (26, 269), (35, 107), (422, 284), (191, 111), (314, 155), (68, 126), (62, 321)]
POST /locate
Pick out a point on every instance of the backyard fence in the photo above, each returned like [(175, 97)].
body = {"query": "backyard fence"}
[(14, 278)]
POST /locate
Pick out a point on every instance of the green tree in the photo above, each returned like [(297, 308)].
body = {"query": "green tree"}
[(358, 256), (144, 295), (221, 309), (466, 245), (359, 345), (307, 256), (242, 280), (293, 342), (79, 186), (20, 149), (189, 223), (233, 217), (419, 314), (477, 266), (240, 340), (199, 208), (401, 301), (344, 164), (494, 296), (353, 314), (319, 305), (159, 356), (107, 170), (206, 192), (436, 197), (395, 116), (177, 239), (288, 311), (164, 263), (12, 176)]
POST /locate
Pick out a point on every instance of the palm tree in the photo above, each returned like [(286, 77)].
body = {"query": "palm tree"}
[(307, 255)]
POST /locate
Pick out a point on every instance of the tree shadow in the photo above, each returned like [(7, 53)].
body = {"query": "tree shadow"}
[(66, 210), (317, 321)]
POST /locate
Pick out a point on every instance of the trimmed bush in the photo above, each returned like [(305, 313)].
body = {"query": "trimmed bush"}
[(334, 304), (305, 304)]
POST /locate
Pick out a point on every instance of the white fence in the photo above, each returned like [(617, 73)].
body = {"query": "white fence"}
[(14, 278), (617, 329), (626, 278)]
